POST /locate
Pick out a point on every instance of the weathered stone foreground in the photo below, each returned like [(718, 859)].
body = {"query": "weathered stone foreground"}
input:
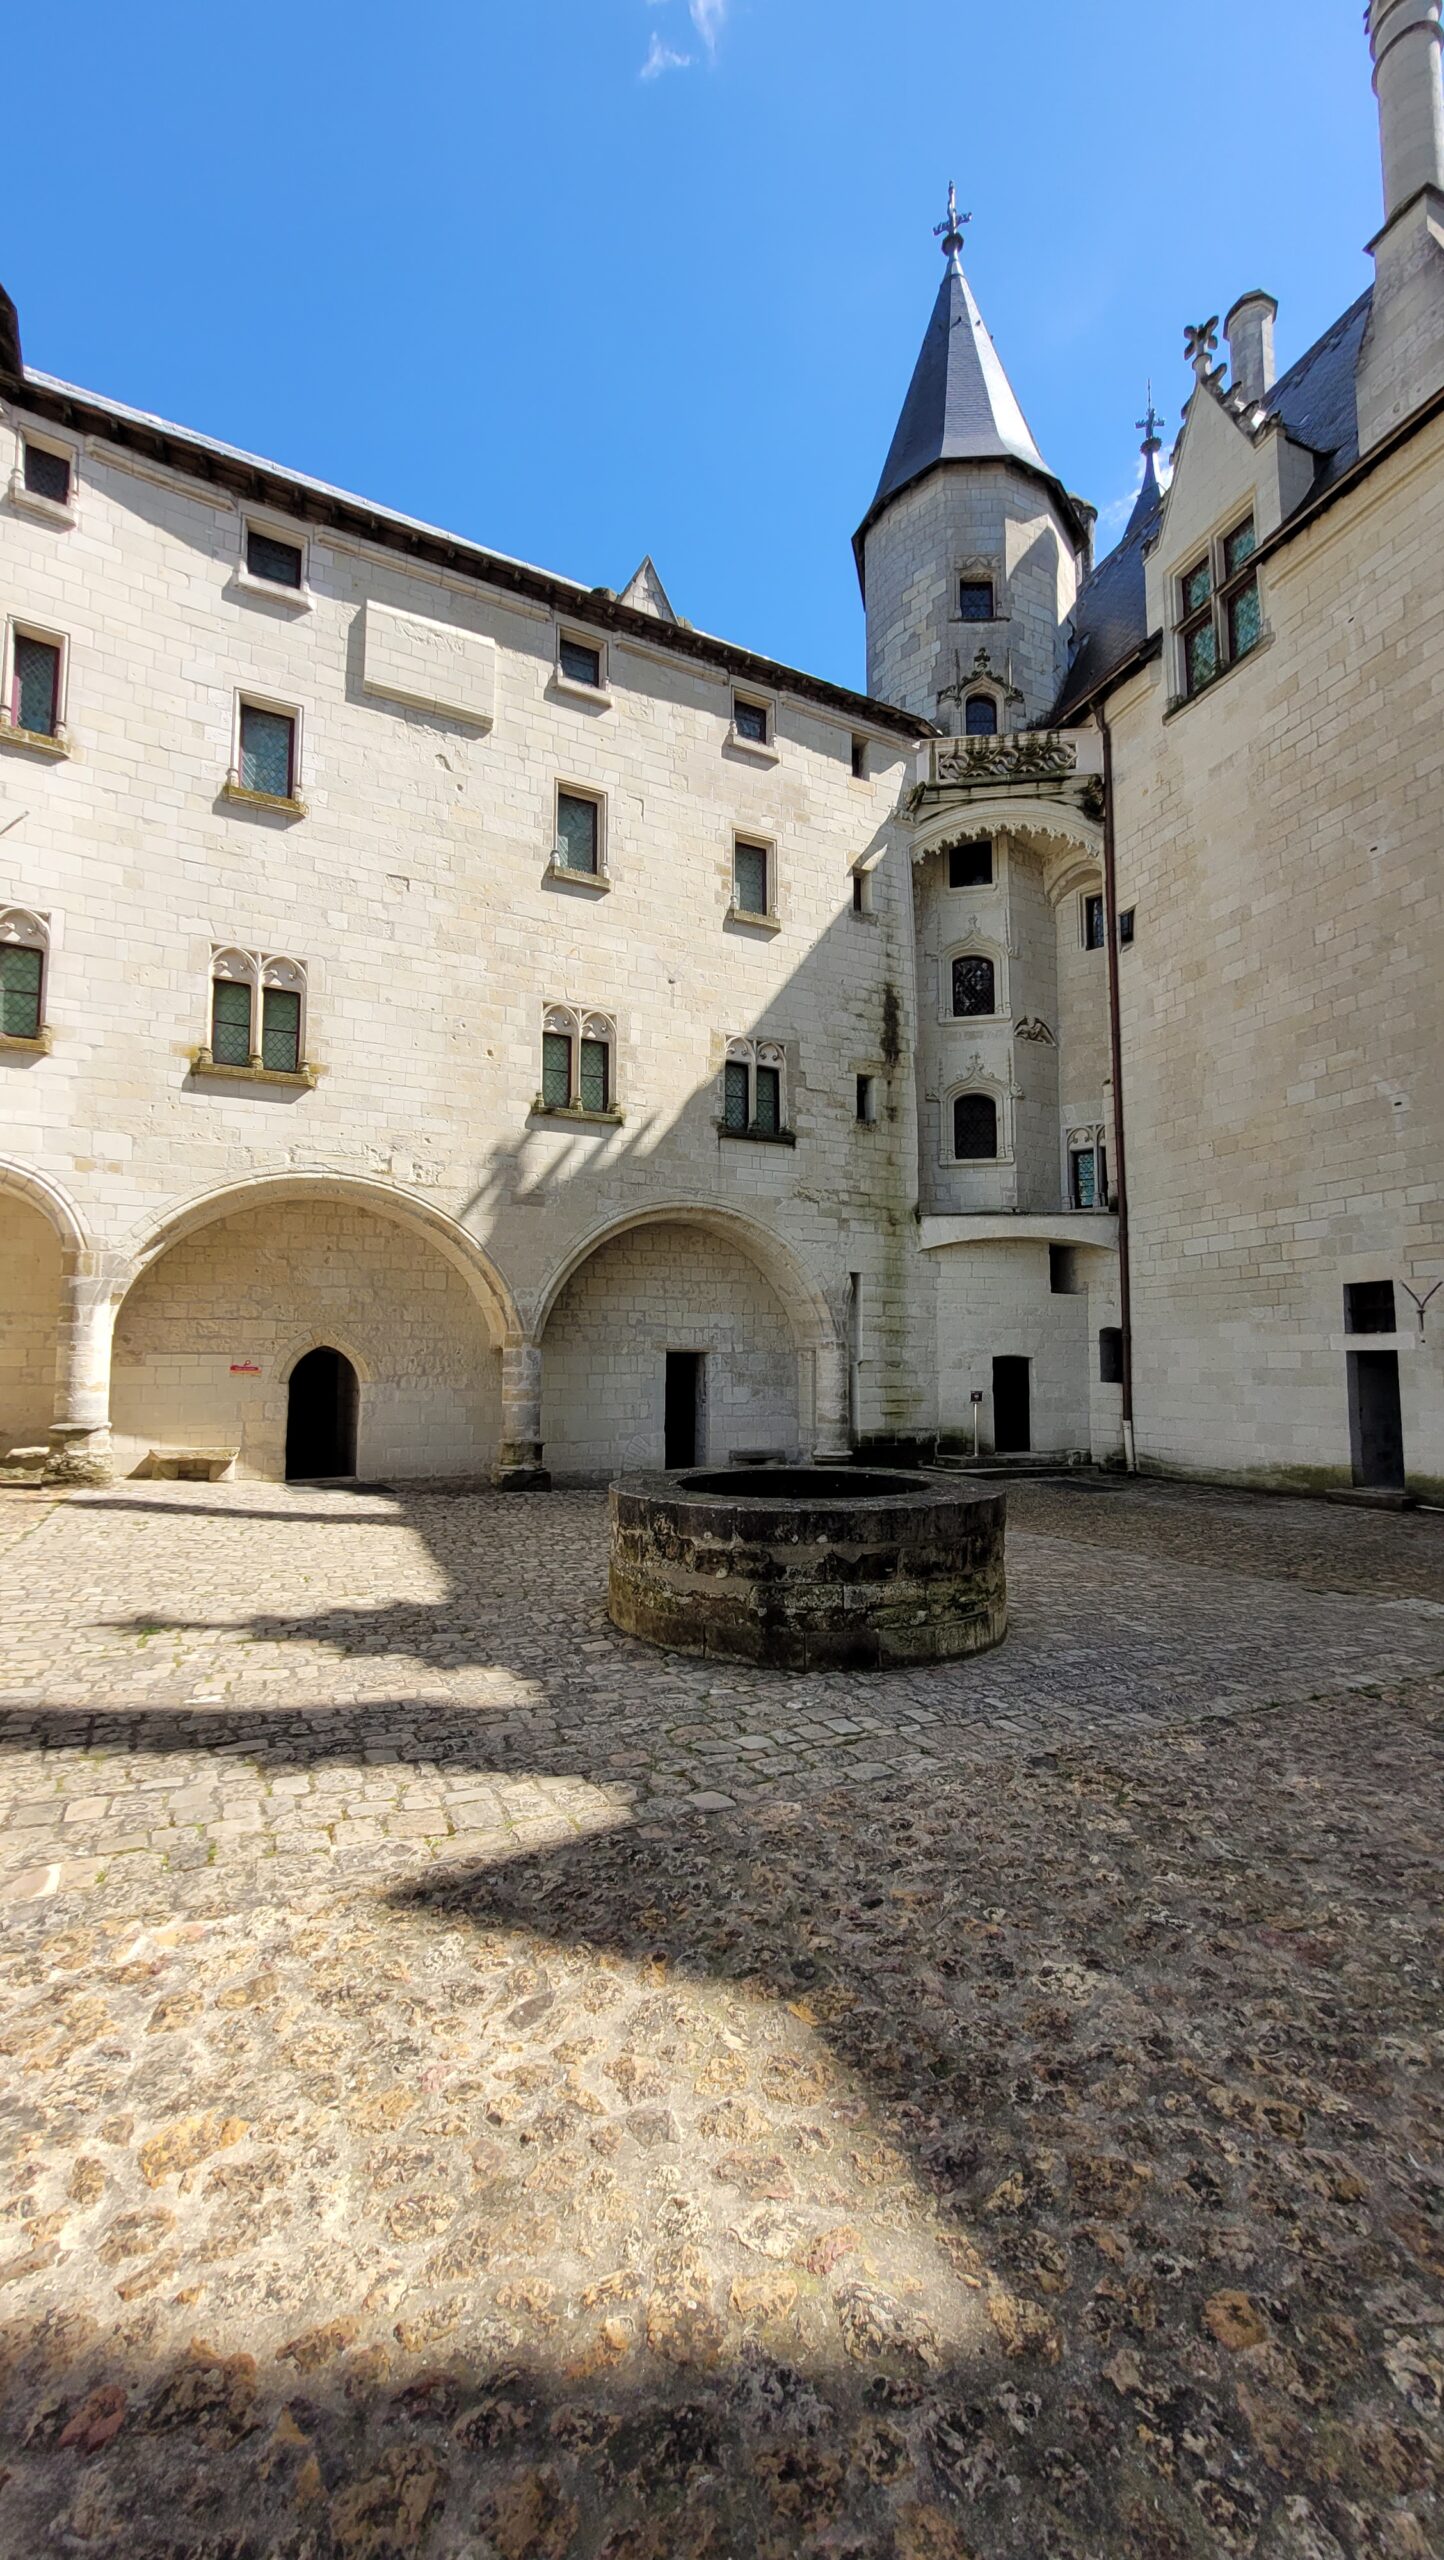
[(1032, 2156)]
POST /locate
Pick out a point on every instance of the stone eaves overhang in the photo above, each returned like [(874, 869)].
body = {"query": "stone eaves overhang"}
[(249, 478)]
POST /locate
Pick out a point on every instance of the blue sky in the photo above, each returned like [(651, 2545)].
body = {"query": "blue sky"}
[(587, 278)]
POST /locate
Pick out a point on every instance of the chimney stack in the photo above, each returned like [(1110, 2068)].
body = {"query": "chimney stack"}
[(1401, 360), (1249, 330), (1404, 38)]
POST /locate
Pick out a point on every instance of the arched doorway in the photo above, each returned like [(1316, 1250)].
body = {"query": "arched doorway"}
[(321, 1407)]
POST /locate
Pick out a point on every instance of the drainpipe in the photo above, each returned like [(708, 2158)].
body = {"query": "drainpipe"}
[(1115, 1050)]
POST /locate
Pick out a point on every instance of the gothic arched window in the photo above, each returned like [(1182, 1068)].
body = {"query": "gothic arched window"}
[(974, 984), (975, 1128), (980, 716)]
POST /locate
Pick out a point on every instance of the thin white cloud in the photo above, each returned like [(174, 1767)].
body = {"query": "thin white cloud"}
[(709, 18), (1113, 517), (661, 57)]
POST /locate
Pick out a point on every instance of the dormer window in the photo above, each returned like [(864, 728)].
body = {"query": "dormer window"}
[(976, 601), (1220, 610), (980, 716)]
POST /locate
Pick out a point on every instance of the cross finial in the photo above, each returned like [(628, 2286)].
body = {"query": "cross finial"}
[(1199, 343), (951, 232), (1148, 426)]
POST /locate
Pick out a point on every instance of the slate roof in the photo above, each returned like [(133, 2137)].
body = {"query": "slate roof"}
[(1315, 404), (960, 405)]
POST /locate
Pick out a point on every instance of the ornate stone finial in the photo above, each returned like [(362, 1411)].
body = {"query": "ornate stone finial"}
[(1199, 344), (1148, 426), (951, 232)]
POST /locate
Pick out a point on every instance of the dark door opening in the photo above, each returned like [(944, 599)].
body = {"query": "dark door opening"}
[(1376, 1423), (1012, 1414), (683, 1417), (321, 1417)]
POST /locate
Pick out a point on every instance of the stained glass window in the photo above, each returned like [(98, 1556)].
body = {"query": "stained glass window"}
[(1197, 588), (980, 716), (975, 600), (268, 557), (974, 984), (231, 1024), (579, 664), (769, 1099), (749, 719), (975, 1128), (1083, 1177), (749, 878), (734, 1094), (1201, 655), (1239, 546), (556, 1069), (20, 975), (1245, 619), (47, 475), (36, 700), (595, 1076), (268, 741), (970, 866), (280, 1030), (577, 831)]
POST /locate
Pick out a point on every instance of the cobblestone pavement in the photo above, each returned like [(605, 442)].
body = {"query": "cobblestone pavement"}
[(477, 2087)]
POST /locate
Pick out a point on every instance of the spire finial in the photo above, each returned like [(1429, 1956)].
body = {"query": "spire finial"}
[(951, 232), (1149, 424)]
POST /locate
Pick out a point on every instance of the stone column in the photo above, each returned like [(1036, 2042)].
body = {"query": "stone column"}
[(518, 1467), (80, 1433), (830, 1442)]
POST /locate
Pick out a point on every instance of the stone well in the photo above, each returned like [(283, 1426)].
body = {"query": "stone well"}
[(810, 1568)]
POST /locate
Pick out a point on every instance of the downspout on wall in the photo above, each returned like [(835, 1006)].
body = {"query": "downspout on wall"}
[(1115, 1052)]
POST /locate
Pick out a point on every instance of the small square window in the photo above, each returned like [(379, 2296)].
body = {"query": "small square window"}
[(975, 600), (751, 721), (556, 1069), (1369, 1306), (734, 1094), (230, 1023), (867, 1100), (749, 878), (769, 1100), (35, 686), (280, 1030), (280, 563), (47, 474), (970, 866), (1125, 927), (1110, 1355), (579, 663), (596, 1091), (1095, 922), (21, 972), (579, 832), (859, 759), (268, 752)]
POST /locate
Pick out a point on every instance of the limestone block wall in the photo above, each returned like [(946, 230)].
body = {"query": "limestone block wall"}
[(660, 1289), (1284, 1088), (207, 1336), (29, 1310), (968, 519), (996, 1301), (1033, 935)]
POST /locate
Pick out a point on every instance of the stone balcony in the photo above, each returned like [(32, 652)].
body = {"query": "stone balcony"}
[(1054, 762)]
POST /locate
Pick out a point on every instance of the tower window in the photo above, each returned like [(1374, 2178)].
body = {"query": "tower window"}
[(980, 716), (975, 600), (1094, 921), (47, 474), (970, 866), (866, 1100), (974, 984), (975, 1128)]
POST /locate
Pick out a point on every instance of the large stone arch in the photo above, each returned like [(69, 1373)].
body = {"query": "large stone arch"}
[(226, 1289), (681, 1275), (43, 1240)]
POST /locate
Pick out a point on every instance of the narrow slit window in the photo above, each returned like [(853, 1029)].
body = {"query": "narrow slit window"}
[(556, 1069), (975, 1128), (735, 1097), (47, 474), (749, 878), (267, 556), (866, 1100), (268, 752), (21, 973), (578, 832), (280, 1030), (230, 1023), (859, 759), (596, 1084), (1095, 923), (35, 691)]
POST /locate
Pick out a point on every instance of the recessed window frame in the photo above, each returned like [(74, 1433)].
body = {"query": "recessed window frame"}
[(980, 707), (976, 1089), (767, 1096), (1086, 1144), (748, 841), (860, 746), (54, 741), (1092, 920), (295, 537), (269, 981), (289, 803), (1210, 609), (865, 1106), (764, 749), (973, 586), (571, 635), (26, 929), (584, 1029), (975, 946), (559, 869), (957, 863), (56, 511)]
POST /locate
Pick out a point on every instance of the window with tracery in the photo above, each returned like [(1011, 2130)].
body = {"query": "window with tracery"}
[(578, 1060), (974, 984), (258, 1007), (24, 950), (754, 1089)]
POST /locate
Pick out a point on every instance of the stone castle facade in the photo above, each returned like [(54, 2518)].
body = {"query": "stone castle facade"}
[(454, 1022)]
